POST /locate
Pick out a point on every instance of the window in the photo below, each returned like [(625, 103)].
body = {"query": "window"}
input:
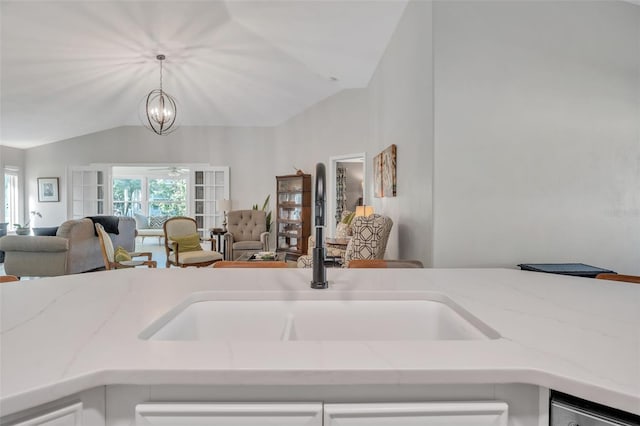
[(89, 192), (127, 196), (11, 204), (149, 195), (167, 197), (126, 190), (211, 185)]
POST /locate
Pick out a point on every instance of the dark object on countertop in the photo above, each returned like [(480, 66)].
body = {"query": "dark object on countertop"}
[(574, 269), (109, 223)]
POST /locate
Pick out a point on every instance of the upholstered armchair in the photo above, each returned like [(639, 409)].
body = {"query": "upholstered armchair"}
[(336, 251), (182, 244), (369, 239), (246, 232), (111, 257)]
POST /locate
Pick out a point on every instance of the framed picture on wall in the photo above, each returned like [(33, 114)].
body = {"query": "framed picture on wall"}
[(48, 189), (384, 173), (389, 171), (377, 176)]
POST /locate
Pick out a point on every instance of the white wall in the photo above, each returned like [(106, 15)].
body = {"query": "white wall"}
[(537, 129), (401, 113), (536, 126), (335, 126), (396, 107), (247, 151)]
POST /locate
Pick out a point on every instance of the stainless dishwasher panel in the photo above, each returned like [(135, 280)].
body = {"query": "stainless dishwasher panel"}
[(568, 415)]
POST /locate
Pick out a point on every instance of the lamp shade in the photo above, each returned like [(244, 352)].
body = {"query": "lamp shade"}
[(364, 210), (224, 205)]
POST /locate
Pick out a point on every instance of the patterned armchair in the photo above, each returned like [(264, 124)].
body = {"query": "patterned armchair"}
[(335, 251), (343, 230), (368, 241), (246, 232)]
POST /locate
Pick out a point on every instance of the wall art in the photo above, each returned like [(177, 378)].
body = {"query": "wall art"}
[(48, 189), (384, 173)]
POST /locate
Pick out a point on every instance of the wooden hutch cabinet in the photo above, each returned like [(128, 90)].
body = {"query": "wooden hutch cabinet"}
[(293, 223)]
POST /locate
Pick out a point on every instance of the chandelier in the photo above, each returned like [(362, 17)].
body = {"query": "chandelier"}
[(160, 108)]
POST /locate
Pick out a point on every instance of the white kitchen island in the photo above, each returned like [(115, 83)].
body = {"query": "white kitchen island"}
[(80, 335)]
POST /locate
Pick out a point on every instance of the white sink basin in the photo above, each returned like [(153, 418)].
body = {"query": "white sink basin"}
[(426, 318)]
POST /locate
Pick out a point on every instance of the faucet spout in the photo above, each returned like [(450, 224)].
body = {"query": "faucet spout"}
[(319, 270)]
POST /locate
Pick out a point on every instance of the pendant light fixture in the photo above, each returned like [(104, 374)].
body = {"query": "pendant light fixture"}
[(160, 108)]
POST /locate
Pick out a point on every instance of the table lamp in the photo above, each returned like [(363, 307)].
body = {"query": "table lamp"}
[(364, 210), (225, 206)]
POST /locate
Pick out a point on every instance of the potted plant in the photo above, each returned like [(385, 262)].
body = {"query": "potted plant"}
[(22, 229), (25, 229), (264, 209)]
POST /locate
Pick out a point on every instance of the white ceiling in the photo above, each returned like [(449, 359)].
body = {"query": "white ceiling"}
[(76, 67)]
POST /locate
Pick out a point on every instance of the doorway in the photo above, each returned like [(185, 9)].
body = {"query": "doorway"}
[(346, 186)]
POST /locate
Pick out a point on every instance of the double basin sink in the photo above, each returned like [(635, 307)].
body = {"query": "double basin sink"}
[(317, 316)]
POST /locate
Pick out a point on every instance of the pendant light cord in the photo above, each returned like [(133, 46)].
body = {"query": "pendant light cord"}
[(160, 75)]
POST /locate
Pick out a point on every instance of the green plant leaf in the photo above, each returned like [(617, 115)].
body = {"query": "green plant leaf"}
[(264, 209), (266, 202)]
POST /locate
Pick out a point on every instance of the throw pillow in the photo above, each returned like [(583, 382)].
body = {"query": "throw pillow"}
[(156, 222), (46, 232), (142, 222), (342, 230), (109, 223), (120, 254), (188, 243), (348, 218)]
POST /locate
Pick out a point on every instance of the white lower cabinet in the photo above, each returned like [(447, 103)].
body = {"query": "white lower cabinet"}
[(493, 413), (229, 414), (85, 408), (70, 415), (482, 413)]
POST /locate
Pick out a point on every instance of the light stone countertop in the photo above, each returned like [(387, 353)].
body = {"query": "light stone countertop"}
[(66, 334)]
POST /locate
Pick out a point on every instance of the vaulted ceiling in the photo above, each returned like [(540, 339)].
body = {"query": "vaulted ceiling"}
[(70, 68)]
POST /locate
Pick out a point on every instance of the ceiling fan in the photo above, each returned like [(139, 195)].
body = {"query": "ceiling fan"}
[(172, 171)]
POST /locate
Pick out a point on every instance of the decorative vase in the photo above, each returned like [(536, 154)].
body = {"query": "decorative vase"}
[(23, 231)]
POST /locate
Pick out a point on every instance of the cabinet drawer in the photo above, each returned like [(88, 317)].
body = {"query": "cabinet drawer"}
[(71, 415), (229, 414), (490, 413)]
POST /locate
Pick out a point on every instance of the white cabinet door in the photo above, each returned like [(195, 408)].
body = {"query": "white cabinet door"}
[(70, 415), (414, 414), (229, 414)]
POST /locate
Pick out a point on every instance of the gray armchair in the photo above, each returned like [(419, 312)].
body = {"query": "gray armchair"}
[(246, 232)]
